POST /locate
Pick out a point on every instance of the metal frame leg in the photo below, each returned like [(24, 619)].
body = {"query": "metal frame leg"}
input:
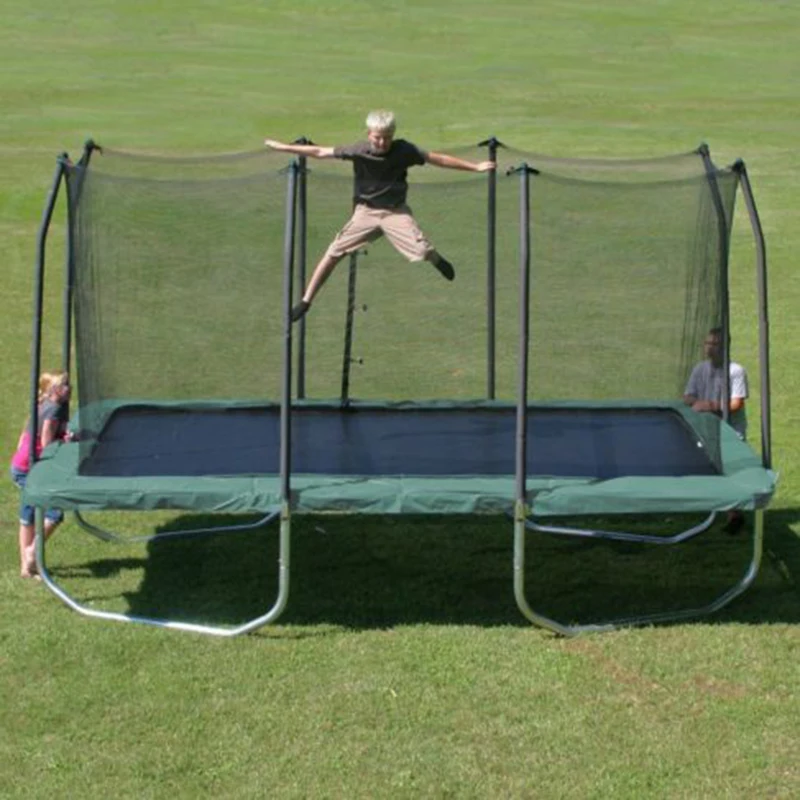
[(213, 630), (109, 536), (621, 536), (520, 528)]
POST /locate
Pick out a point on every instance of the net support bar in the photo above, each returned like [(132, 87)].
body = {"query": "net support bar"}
[(524, 332), (74, 190), (302, 259), (347, 356), (286, 399), (38, 300), (723, 234), (520, 506), (763, 313), (491, 272)]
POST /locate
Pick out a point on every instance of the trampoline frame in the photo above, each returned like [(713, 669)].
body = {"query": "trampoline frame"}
[(524, 520)]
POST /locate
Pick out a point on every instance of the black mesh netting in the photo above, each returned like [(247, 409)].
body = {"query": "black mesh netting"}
[(179, 280)]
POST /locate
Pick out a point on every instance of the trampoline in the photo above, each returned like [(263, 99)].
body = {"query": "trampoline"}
[(527, 458), (405, 458)]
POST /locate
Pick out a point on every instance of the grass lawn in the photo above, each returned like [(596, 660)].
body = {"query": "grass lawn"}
[(402, 667)]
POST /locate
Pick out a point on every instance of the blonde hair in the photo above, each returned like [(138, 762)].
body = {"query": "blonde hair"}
[(381, 120), (49, 381)]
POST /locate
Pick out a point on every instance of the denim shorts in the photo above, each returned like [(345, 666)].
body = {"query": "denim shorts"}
[(26, 512)]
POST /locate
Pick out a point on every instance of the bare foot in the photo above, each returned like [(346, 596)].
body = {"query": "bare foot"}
[(28, 569)]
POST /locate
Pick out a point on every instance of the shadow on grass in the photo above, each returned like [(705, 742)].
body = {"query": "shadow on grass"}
[(379, 572)]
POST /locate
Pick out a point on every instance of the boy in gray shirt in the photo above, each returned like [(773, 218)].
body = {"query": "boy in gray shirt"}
[(705, 389)]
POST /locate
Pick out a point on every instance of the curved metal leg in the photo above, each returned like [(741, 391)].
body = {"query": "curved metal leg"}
[(648, 619), (621, 536), (213, 630), (110, 536), (519, 578)]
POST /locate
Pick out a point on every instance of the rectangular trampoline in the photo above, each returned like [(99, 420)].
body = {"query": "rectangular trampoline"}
[(406, 458), (197, 393)]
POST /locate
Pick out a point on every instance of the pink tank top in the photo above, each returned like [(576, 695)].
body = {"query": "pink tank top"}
[(21, 460)]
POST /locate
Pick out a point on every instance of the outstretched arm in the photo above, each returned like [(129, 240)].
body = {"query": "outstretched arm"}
[(49, 432), (311, 150), (451, 162)]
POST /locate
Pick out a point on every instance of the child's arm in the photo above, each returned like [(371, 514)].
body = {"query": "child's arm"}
[(55, 429), (311, 150), (49, 432), (451, 162)]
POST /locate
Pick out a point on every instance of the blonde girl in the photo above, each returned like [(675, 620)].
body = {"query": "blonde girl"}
[(53, 416)]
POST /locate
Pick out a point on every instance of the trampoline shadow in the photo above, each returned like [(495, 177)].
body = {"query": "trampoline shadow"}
[(777, 593), (101, 568), (590, 582), (382, 572), (365, 572)]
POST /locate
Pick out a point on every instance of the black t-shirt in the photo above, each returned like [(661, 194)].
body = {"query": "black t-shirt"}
[(380, 178)]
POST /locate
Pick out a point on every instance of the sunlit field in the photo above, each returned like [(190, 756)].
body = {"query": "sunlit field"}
[(402, 667)]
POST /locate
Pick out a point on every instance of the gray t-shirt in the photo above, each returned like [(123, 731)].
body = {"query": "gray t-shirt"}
[(707, 383), (380, 178), (59, 412)]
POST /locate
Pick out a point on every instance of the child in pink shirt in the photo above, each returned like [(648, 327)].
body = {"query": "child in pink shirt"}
[(53, 416)]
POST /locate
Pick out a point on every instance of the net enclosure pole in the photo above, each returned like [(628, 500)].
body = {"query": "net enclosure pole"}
[(524, 335), (74, 189), (723, 231), (38, 299), (286, 384), (491, 273), (763, 312), (302, 257), (521, 439), (284, 536), (347, 358)]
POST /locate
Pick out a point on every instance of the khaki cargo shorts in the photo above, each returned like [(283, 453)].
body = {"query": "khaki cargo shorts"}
[(368, 224)]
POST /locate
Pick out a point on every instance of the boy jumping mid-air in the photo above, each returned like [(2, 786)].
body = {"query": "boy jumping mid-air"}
[(380, 167)]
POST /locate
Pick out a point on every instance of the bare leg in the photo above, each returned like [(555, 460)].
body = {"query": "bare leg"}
[(26, 542), (320, 275), (27, 546)]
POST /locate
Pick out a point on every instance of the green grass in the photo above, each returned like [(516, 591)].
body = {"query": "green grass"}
[(402, 667)]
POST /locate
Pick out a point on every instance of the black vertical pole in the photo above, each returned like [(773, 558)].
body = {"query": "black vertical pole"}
[(524, 333), (763, 314), (286, 388), (302, 244), (69, 270), (348, 328), (38, 302), (74, 186), (722, 233), (491, 279)]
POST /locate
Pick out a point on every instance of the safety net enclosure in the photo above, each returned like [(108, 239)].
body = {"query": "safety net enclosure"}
[(547, 379)]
